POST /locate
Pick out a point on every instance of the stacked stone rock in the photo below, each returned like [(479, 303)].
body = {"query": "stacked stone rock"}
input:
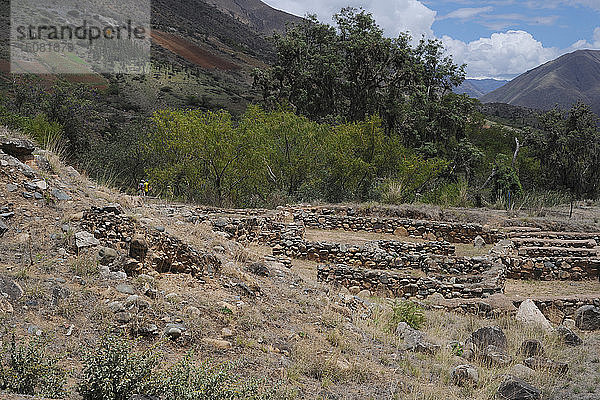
[(143, 246), (258, 229), (553, 255), (407, 286), (429, 230)]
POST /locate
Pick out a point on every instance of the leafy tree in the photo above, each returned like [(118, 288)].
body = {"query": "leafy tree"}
[(568, 147), (196, 155), (347, 73)]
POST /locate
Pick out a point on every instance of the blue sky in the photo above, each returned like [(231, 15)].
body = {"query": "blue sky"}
[(496, 39)]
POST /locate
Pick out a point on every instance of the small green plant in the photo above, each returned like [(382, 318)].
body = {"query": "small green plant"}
[(406, 311), (457, 349), (114, 372), (27, 369), (187, 380)]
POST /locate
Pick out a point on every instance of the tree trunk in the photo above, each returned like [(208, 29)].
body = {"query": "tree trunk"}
[(571, 210)]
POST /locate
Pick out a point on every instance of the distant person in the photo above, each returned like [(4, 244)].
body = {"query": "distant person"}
[(146, 187), (141, 188)]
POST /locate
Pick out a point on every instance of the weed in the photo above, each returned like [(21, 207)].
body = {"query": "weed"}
[(406, 311)]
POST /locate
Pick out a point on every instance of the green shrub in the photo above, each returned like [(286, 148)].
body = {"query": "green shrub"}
[(189, 381), (27, 369), (114, 372), (406, 311)]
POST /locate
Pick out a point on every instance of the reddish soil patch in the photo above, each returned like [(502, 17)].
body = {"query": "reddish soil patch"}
[(191, 52)]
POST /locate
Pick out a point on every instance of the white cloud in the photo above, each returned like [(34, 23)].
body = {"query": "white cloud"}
[(502, 55), (584, 44), (466, 13), (394, 16)]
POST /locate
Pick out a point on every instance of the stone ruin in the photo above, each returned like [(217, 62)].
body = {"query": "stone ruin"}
[(129, 246), (419, 270)]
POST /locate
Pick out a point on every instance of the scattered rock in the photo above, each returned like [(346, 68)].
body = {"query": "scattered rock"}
[(106, 255), (217, 343), (259, 269), (12, 289), (529, 313), (138, 247), (479, 242), (194, 311), (11, 188), (148, 330), (123, 317), (521, 371), (226, 332), (495, 356), (125, 288), (568, 336), (465, 375), (545, 364), (174, 330), (41, 185), (587, 318), (532, 348), (85, 239), (513, 388), (490, 335), (60, 195), (415, 339), (116, 306), (3, 228)]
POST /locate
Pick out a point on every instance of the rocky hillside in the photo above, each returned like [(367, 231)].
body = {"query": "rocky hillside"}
[(79, 261), (570, 78)]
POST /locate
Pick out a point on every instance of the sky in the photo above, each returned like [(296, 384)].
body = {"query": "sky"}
[(497, 39)]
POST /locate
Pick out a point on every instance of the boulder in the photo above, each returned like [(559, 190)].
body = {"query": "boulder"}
[(513, 388), (532, 348), (84, 240), (464, 375), (19, 148), (495, 356), (60, 195), (479, 242), (125, 288), (138, 247), (529, 313), (545, 364), (568, 336), (587, 318), (489, 335), (521, 371), (106, 255), (415, 339)]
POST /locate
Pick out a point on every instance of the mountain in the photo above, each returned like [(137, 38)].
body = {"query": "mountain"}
[(203, 53), (256, 14), (477, 88), (570, 78)]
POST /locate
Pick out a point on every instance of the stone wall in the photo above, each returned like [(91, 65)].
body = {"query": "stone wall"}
[(402, 285), (429, 230), (551, 268), (428, 257), (258, 229), (139, 247)]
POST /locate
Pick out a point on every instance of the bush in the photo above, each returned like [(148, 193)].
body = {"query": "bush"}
[(28, 370), (189, 381), (406, 311), (114, 372)]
